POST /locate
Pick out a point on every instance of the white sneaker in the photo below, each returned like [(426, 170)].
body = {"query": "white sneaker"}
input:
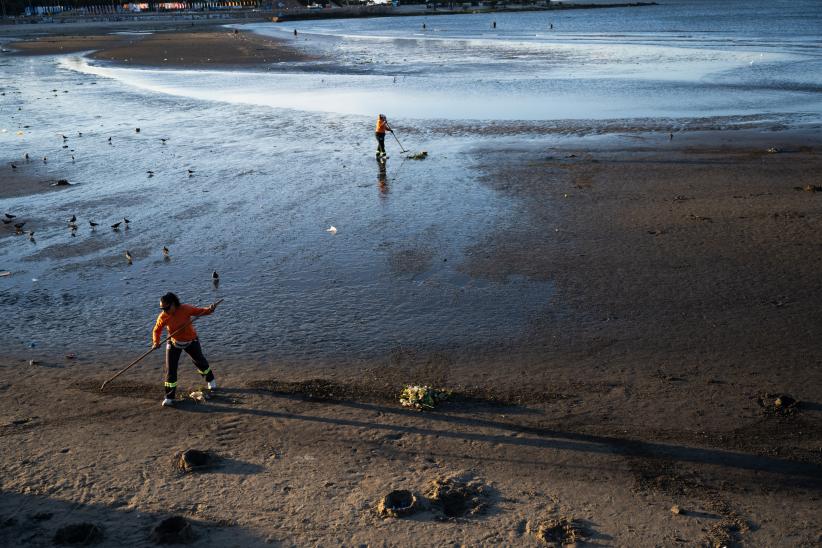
[(212, 385), (168, 402)]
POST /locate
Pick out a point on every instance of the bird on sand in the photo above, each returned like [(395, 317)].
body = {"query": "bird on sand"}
[(150, 173), (128, 257), (45, 160), (126, 221), (163, 140), (31, 235), (26, 156), (19, 228), (10, 216), (215, 278), (190, 172), (116, 226), (13, 166), (165, 253), (92, 224), (73, 218)]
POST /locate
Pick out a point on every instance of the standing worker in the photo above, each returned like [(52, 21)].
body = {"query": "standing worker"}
[(177, 319), (382, 127)]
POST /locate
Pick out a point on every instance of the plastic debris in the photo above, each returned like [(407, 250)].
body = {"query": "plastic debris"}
[(418, 156), (332, 229), (4, 273)]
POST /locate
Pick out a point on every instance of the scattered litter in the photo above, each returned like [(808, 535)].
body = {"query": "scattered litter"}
[(33, 362), (332, 229), (192, 460), (79, 534), (422, 397), (418, 156), (558, 532), (676, 510), (35, 280), (397, 504), (456, 497), (173, 530), (809, 188), (699, 218), (778, 404)]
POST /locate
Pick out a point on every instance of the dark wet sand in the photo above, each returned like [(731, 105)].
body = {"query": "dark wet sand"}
[(27, 178)]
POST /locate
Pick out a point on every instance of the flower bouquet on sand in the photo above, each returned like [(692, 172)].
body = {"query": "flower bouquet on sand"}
[(422, 397)]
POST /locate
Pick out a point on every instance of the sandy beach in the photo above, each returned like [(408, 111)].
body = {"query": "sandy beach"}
[(667, 394)]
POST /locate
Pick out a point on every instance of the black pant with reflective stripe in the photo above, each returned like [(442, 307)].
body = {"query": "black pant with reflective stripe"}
[(380, 143), (173, 359)]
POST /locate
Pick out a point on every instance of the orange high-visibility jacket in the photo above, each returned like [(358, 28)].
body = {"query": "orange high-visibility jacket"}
[(175, 321), (382, 125)]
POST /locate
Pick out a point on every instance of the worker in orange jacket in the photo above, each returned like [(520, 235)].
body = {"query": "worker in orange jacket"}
[(382, 127), (177, 319)]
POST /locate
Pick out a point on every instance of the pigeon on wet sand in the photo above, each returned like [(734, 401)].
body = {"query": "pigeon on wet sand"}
[(116, 226), (128, 257), (215, 278), (165, 253), (92, 224), (10, 216)]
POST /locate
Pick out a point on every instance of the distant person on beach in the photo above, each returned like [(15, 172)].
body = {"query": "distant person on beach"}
[(423, 26), (295, 32), (382, 127), (494, 25), (177, 319)]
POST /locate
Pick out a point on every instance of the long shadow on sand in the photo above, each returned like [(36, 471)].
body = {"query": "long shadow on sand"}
[(807, 475)]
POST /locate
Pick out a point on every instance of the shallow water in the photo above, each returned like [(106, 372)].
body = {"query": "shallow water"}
[(280, 155), (267, 184)]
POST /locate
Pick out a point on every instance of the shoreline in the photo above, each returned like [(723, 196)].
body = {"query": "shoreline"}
[(349, 12)]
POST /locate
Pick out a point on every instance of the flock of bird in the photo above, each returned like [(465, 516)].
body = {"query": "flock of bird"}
[(10, 218)]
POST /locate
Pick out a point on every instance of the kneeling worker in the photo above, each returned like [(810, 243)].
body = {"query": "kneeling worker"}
[(177, 319)]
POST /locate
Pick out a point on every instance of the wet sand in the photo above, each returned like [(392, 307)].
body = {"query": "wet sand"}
[(688, 275), (686, 305), (189, 48), (28, 178)]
